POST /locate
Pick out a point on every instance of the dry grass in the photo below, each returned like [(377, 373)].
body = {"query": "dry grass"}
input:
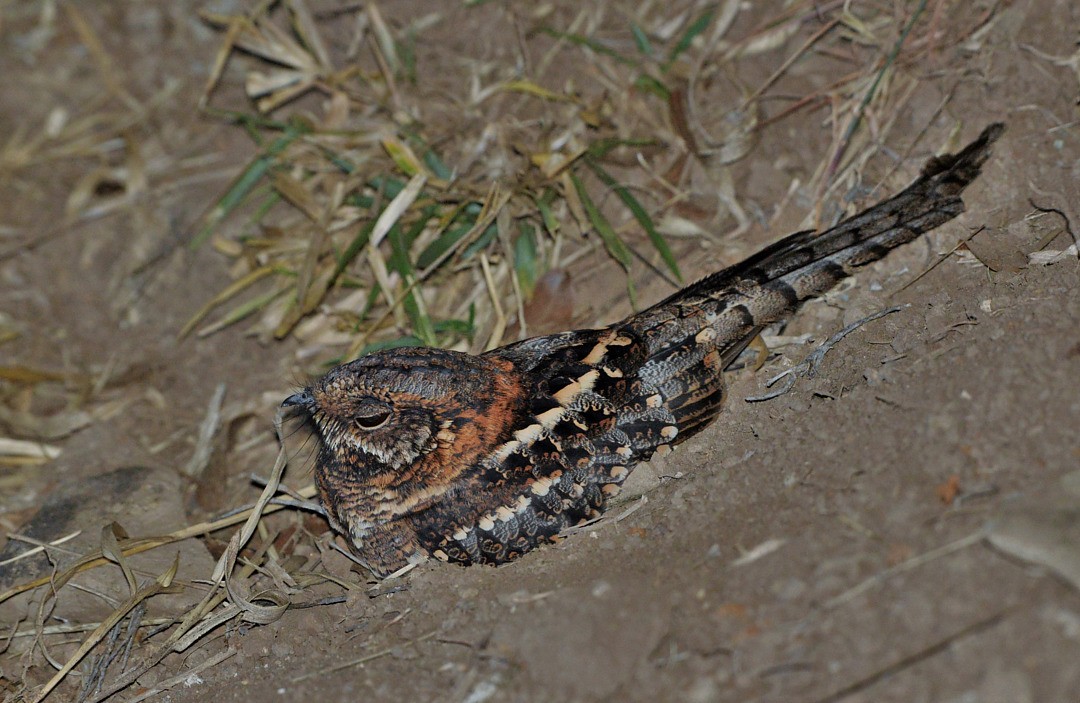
[(380, 242), (364, 234), (381, 208)]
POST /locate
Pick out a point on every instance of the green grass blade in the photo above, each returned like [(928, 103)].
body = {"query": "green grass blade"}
[(543, 204), (245, 183), (648, 84), (525, 259), (696, 27), (481, 243), (615, 246), (589, 43), (641, 39), (387, 185), (459, 328), (640, 214), (417, 228), (399, 261), (355, 247), (245, 309), (445, 241), (441, 245), (437, 165), (236, 194)]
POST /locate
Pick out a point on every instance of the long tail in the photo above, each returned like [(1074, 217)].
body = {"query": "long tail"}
[(697, 332)]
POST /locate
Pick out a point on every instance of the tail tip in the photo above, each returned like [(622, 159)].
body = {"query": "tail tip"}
[(968, 160)]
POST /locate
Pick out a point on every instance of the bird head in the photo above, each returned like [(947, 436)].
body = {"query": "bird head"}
[(397, 428)]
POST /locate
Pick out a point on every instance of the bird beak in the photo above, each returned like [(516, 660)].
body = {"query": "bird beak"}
[(303, 399)]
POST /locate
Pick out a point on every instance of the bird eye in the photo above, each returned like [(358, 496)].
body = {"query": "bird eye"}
[(373, 421)]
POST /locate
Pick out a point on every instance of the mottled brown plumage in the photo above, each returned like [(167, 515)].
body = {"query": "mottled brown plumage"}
[(478, 459)]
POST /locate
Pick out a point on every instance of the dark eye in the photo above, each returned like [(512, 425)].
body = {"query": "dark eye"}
[(373, 421)]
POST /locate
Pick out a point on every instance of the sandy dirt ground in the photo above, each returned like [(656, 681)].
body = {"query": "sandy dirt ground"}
[(902, 526)]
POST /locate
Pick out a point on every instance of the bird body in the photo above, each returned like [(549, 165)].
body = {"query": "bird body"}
[(478, 459)]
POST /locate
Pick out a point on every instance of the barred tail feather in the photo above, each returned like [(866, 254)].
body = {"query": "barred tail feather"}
[(698, 331), (930, 201)]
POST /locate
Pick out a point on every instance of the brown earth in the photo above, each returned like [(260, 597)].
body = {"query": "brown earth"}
[(775, 557)]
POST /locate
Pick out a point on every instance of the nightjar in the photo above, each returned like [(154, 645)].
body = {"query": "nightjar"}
[(478, 459)]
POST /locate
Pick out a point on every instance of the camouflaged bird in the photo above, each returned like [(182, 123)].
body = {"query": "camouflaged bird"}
[(478, 459)]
